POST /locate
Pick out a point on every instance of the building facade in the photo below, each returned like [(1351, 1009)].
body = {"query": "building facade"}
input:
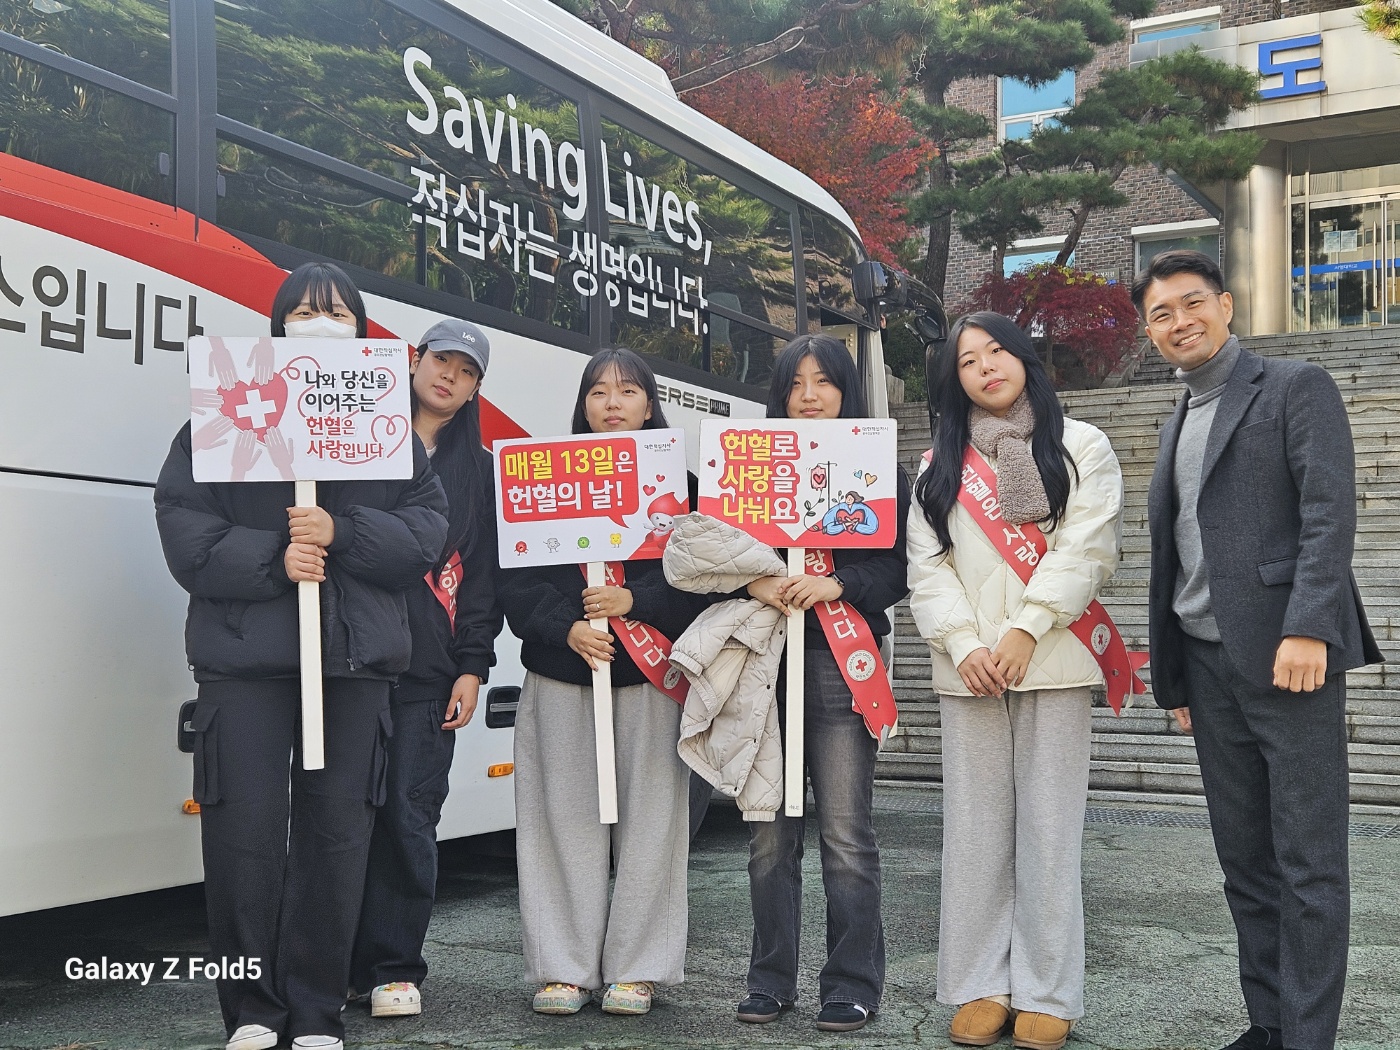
[(1310, 241)]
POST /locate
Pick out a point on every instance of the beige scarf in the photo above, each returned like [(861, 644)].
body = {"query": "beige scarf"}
[(1019, 486)]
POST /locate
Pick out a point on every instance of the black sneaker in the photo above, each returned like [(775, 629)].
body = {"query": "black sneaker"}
[(842, 1017), (1258, 1038), (760, 1009)]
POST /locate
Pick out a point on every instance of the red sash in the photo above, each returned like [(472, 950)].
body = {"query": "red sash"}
[(1023, 546), (649, 649), (857, 654), (445, 584)]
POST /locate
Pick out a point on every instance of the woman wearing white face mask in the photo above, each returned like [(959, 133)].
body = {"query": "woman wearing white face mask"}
[(287, 902)]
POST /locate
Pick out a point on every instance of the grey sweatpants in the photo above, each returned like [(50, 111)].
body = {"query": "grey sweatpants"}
[(571, 931), (1015, 779)]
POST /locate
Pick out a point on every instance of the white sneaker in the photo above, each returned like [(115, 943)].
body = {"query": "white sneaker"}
[(252, 1037), (399, 999), (317, 1042)]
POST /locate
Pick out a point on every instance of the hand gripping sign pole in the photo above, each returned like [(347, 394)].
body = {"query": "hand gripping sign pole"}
[(794, 759), (604, 743), (313, 737)]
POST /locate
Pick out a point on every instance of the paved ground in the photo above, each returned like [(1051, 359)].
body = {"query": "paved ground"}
[(1160, 953)]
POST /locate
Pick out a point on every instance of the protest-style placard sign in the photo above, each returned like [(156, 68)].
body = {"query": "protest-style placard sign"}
[(800, 484), (301, 410), (594, 499)]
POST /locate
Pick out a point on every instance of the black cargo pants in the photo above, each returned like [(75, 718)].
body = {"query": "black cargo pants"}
[(285, 849)]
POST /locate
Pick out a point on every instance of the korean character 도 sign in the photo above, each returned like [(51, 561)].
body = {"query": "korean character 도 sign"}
[(299, 409)]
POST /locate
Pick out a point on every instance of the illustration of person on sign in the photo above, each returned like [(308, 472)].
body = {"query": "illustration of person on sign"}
[(661, 515), (852, 514)]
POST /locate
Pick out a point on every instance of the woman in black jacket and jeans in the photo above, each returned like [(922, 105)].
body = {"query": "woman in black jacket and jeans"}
[(284, 848), (453, 616)]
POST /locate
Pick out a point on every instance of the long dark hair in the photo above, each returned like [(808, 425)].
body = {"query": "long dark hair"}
[(316, 281), (949, 407), (832, 358), (630, 369), (464, 468)]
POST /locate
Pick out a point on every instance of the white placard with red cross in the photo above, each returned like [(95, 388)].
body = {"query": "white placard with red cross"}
[(299, 409)]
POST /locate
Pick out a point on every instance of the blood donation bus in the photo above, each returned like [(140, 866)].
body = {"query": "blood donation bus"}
[(165, 163)]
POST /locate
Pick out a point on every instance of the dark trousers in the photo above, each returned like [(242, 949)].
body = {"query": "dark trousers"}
[(840, 759), (401, 882), (285, 849), (1274, 766)]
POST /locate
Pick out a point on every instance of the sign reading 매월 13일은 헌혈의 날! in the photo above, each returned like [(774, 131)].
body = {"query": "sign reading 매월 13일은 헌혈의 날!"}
[(802, 482), (265, 409), (589, 498)]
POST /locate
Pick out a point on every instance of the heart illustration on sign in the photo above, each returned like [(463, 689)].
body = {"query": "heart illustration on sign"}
[(661, 477), (256, 406), (812, 443), (851, 518), (390, 431), (648, 489), (870, 479), (712, 463)]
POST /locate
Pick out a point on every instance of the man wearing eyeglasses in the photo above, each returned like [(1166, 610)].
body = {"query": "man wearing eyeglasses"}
[(1253, 618)]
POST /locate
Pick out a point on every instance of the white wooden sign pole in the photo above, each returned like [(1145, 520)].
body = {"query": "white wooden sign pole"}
[(313, 742), (603, 721), (795, 780)]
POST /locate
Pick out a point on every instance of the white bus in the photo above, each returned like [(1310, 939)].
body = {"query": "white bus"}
[(164, 164)]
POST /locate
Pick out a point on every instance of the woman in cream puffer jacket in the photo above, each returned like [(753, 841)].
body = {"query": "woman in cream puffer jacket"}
[(1013, 682)]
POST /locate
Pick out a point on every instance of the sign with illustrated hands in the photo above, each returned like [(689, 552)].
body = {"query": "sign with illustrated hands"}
[(264, 409), (825, 483)]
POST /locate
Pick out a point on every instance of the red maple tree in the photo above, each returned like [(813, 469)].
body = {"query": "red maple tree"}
[(1064, 306), (841, 133)]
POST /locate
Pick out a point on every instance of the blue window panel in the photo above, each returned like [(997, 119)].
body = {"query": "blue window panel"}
[(1018, 97), (1019, 261), (1020, 129), (1176, 31)]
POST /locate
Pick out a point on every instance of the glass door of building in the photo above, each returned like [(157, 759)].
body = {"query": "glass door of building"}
[(1344, 263)]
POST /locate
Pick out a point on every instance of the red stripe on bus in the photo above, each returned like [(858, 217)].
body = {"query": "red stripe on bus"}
[(168, 239)]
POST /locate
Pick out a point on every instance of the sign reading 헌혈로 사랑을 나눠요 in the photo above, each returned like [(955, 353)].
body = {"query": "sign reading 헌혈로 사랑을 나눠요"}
[(589, 498), (802, 482), (265, 409)]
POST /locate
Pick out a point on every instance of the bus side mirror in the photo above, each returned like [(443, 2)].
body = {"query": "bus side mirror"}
[(878, 288)]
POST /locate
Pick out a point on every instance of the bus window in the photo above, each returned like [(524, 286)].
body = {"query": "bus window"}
[(491, 159), (678, 217), (829, 255), (131, 39), (293, 204), (722, 347), (75, 126)]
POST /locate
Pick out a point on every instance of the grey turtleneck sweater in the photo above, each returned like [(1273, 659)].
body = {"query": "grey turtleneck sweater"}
[(1204, 385)]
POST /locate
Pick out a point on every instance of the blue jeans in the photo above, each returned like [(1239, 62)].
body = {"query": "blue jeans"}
[(840, 759), (401, 881)]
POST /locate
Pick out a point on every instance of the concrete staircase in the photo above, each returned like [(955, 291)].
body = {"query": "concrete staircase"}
[(1141, 753)]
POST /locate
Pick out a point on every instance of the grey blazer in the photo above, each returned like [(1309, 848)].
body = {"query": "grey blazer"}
[(1277, 509)]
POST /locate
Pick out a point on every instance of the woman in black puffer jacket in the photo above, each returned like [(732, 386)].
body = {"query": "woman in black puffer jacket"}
[(287, 902)]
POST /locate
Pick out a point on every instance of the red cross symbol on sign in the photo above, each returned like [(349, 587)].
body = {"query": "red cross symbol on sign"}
[(861, 665)]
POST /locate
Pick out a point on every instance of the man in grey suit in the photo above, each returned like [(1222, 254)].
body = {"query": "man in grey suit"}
[(1253, 619)]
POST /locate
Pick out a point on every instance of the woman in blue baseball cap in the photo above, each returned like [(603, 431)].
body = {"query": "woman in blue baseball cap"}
[(453, 621)]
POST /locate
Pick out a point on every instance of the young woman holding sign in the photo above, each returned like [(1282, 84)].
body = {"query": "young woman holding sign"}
[(576, 939), (1013, 681), (453, 618), (814, 377), (285, 903)]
